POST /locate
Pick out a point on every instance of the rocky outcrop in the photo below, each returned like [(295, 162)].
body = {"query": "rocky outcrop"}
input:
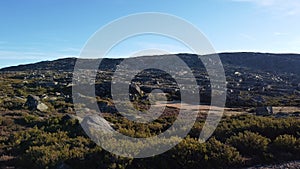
[(288, 165), (34, 103), (96, 123), (264, 111)]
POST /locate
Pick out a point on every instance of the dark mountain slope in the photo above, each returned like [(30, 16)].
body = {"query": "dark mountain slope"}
[(279, 63), (276, 63)]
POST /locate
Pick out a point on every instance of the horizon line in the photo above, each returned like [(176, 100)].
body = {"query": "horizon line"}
[(122, 57)]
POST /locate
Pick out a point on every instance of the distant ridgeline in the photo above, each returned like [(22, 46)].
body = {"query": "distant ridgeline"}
[(279, 63), (253, 79)]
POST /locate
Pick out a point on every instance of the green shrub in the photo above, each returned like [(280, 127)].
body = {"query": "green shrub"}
[(249, 143), (12, 104), (238, 140), (30, 119), (189, 153), (222, 156), (285, 143), (286, 147)]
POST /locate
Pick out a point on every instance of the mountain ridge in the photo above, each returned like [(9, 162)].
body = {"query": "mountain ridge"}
[(270, 62)]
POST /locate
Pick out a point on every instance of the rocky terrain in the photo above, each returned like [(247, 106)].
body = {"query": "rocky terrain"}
[(253, 79), (289, 165), (40, 129)]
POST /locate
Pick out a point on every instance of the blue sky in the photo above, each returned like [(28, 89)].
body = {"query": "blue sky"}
[(35, 30)]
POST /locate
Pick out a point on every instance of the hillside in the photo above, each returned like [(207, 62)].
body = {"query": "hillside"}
[(260, 127), (280, 63), (252, 78)]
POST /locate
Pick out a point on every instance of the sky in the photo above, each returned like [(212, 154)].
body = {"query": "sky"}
[(36, 30)]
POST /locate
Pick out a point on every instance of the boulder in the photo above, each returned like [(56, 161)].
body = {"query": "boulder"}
[(34, 103), (264, 111), (96, 123), (42, 107), (135, 89)]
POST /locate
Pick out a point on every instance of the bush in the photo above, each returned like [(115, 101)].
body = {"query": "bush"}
[(12, 104), (30, 119), (222, 156), (286, 147), (238, 141), (189, 153), (285, 143), (249, 143)]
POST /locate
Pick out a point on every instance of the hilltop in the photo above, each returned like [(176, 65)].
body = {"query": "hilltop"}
[(280, 63)]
